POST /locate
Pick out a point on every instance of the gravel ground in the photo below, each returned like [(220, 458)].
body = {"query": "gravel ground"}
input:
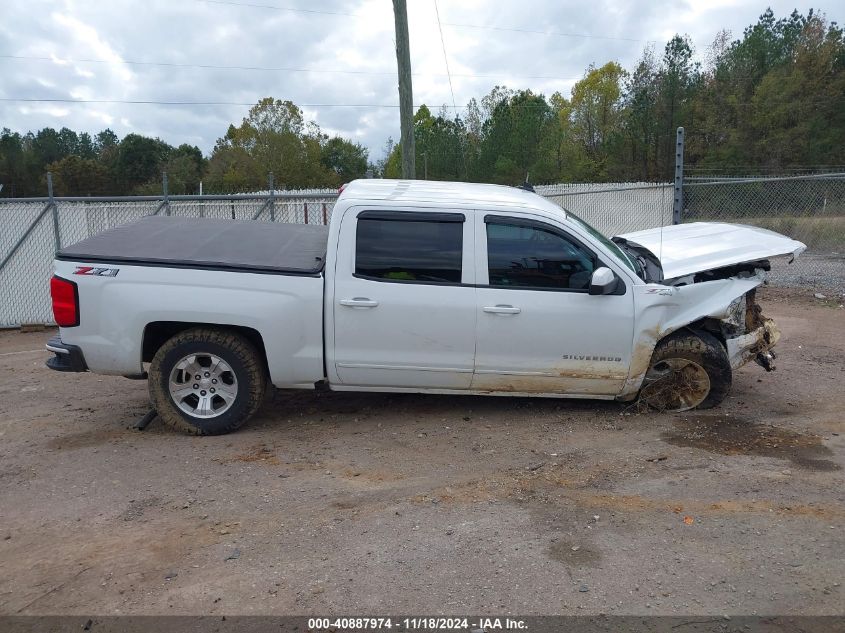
[(823, 272), (372, 503)]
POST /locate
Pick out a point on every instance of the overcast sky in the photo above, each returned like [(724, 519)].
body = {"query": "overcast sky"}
[(324, 55)]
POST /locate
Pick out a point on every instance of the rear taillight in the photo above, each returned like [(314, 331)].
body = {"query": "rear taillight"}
[(65, 302)]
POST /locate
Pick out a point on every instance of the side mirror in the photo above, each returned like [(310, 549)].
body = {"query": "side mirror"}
[(603, 281)]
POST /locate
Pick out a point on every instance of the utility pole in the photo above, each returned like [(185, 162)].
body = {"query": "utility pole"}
[(406, 96)]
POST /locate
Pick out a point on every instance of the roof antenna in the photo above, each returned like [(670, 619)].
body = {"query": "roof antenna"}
[(527, 185)]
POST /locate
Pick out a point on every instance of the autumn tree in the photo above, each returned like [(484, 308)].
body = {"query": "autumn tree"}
[(597, 115), (273, 138)]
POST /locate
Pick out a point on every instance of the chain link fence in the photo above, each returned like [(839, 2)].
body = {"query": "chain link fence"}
[(807, 208), (31, 230), (25, 271), (615, 208)]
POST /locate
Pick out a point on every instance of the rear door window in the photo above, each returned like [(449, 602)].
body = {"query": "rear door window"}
[(390, 247)]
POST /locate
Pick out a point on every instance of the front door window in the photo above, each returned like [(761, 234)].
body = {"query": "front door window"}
[(527, 256)]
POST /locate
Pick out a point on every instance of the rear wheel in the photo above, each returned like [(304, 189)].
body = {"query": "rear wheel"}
[(206, 381), (687, 371)]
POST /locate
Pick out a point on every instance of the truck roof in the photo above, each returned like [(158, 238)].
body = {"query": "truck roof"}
[(455, 194), (236, 245)]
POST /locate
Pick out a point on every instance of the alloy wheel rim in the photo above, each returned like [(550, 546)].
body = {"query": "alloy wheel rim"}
[(203, 385)]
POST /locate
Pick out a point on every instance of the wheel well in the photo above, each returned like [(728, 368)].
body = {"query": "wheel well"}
[(710, 325), (158, 333)]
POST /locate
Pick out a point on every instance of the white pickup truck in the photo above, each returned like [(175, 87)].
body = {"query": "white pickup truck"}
[(414, 287)]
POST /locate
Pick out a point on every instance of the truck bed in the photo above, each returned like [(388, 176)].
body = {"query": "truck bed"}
[(231, 245)]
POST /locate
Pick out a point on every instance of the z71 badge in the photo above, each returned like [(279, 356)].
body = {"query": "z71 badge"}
[(98, 272)]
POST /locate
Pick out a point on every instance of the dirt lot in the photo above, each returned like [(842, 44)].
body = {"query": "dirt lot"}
[(369, 503)]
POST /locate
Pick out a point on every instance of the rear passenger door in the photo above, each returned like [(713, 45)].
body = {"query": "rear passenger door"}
[(404, 304)]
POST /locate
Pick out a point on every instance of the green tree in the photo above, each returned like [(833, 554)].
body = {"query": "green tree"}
[(439, 144), (640, 117), (184, 168), (773, 98), (77, 176), (798, 108), (677, 81), (105, 140), (139, 161), (345, 159), (559, 156), (47, 146), (391, 165), (273, 138), (232, 170), (510, 144), (13, 173)]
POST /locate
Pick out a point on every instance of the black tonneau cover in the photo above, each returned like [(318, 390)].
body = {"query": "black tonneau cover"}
[(239, 245)]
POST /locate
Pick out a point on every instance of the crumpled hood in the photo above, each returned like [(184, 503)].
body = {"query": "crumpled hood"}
[(684, 249)]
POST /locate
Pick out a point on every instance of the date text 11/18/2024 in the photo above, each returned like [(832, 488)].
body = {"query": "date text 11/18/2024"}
[(416, 624)]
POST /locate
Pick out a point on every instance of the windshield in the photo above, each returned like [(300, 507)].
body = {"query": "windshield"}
[(613, 248)]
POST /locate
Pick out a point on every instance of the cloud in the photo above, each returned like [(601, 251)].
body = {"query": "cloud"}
[(85, 37), (86, 50)]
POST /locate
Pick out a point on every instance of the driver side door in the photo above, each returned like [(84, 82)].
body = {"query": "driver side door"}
[(538, 328)]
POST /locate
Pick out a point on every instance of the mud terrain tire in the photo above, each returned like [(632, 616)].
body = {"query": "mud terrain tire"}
[(242, 371), (674, 381)]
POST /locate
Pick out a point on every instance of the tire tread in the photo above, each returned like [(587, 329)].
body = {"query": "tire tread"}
[(705, 349), (235, 343)]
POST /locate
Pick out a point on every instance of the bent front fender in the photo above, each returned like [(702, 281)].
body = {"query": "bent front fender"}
[(662, 310)]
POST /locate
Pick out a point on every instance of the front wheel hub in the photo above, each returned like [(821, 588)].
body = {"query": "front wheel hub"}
[(675, 384)]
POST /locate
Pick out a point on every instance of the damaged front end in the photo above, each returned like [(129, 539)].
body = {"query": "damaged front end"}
[(748, 334), (721, 302), (702, 277)]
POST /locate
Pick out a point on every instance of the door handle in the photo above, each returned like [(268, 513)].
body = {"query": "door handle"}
[(359, 302), (501, 309)]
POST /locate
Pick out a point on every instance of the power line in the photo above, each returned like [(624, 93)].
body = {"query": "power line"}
[(202, 103), (278, 8), (453, 24), (445, 57), (449, 74), (184, 65), (85, 60), (194, 103), (233, 103), (555, 33), (268, 68), (310, 105)]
